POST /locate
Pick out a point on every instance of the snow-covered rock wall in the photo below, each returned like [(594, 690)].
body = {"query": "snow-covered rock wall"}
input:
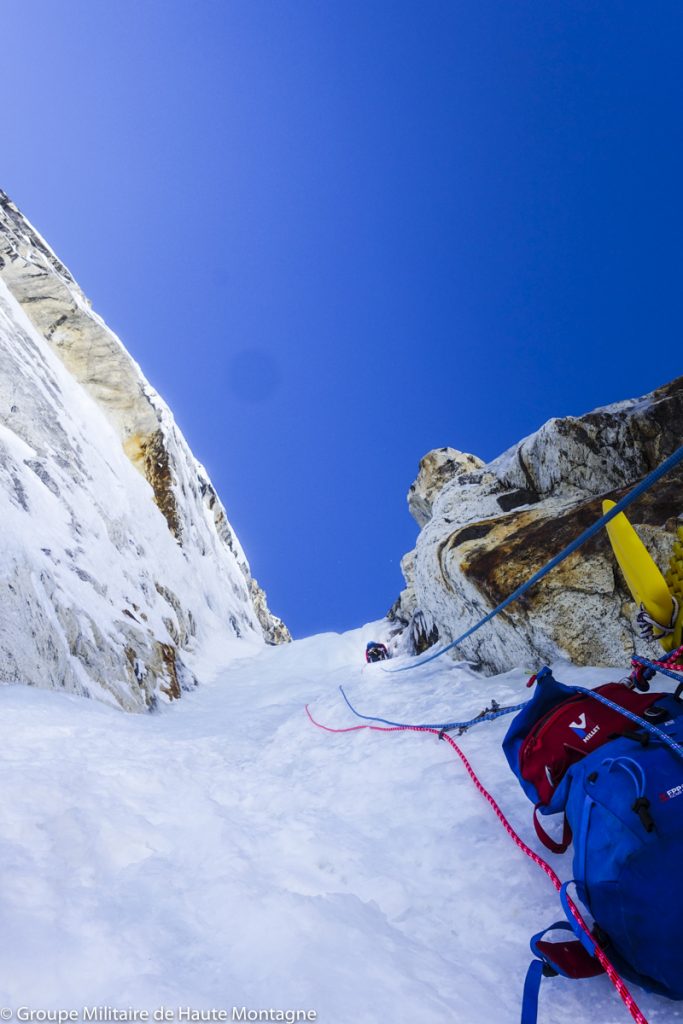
[(487, 528), (118, 561)]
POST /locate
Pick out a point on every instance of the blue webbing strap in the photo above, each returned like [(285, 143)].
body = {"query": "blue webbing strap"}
[(565, 958), (639, 489), (532, 986), (584, 939)]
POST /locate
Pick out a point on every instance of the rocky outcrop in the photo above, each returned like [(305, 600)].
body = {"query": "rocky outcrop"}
[(274, 629), (436, 470), (120, 562), (487, 528)]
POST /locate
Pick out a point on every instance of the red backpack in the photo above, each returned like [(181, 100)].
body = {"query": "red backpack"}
[(560, 727)]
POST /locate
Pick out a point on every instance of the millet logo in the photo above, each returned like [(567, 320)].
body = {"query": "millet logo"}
[(580, 728)]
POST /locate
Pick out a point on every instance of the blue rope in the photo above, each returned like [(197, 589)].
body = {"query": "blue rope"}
[(659, 733), (639, 489), (440, 725), (678, 676), (491, 715)]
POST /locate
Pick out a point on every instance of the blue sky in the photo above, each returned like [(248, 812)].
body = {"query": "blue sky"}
[(337, 235)]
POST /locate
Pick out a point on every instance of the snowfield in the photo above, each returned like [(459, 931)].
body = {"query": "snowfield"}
[(224, 853)]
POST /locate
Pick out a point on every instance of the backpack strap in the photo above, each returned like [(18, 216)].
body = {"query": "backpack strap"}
[(532, 987), (550, 843), (568, 958)]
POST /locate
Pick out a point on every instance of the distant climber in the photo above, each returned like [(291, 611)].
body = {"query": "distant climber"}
[(376, 651)]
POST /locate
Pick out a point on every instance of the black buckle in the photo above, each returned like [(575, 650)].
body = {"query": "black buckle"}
[(642, 809), (655, 714)]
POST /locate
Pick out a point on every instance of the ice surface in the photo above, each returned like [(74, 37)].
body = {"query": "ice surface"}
[(224, 852)]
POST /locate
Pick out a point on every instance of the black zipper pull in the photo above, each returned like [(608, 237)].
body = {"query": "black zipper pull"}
[(642, 809)]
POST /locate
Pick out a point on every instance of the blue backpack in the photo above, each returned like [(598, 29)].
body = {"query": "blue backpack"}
[(623, 803)]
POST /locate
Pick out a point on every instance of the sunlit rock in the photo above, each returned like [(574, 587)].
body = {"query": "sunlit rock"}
[(487, 529), (120, 565)]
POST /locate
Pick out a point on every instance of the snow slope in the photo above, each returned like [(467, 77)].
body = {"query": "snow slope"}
[(222, 852)]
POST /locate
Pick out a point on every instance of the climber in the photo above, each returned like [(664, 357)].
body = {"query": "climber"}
[(376, 652)]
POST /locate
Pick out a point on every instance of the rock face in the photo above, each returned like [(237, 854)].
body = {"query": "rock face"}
[(487, 528), (120, 565), (437, 469)]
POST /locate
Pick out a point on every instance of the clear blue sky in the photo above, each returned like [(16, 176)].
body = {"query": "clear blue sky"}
[(339, 234)]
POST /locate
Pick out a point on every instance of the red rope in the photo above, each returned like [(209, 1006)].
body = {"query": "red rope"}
[(674, 660), (604, 960)]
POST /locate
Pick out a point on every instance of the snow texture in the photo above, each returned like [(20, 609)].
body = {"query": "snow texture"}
[(118, 560), (93, 575), (223, 852)]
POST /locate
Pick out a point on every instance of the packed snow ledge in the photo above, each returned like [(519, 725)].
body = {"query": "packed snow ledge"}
[(224, 853)]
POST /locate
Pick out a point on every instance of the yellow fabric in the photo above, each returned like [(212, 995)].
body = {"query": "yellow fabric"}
[(643, 578), (674, 579)]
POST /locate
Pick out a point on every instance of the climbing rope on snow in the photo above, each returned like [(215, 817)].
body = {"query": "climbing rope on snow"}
[(599, 953), (643, 671), (487, 715), (627, 500)]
